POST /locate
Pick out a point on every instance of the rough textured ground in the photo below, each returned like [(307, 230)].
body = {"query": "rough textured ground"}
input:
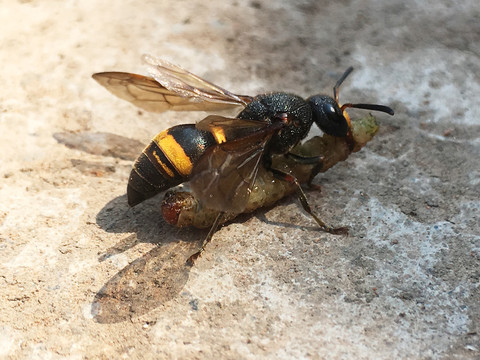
[(83, 276)]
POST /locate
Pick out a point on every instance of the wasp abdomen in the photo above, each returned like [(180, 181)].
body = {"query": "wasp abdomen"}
[(167, 161)]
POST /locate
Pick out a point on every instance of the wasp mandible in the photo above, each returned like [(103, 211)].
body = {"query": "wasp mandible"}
[(221, 156)]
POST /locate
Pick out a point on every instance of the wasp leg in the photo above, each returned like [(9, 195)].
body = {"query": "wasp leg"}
[(310, 160), (192, 258), (307, 160), (303, 200), (317, 169)]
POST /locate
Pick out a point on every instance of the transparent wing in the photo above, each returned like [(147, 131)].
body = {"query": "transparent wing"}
[(189, 85), (146, 93), (230, 128), (224, 176)]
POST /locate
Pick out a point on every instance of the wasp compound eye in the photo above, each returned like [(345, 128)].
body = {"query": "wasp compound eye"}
[(328, 116)]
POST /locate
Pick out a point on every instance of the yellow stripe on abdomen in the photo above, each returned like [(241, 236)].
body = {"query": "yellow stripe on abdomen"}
[(163, 165), (174, 152)]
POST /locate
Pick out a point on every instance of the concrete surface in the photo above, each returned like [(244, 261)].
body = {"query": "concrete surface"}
[(84, 277)]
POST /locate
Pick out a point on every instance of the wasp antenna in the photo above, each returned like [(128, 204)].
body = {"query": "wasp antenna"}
[(340, 81), (373, 107)]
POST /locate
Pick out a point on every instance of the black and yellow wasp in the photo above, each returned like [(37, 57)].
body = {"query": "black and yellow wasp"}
[(221, 156)]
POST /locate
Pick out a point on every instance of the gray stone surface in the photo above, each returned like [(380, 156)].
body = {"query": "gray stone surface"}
[(83, 276)]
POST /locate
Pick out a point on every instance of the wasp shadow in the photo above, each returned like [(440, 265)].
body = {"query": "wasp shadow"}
[(151, 280), (159, 275)]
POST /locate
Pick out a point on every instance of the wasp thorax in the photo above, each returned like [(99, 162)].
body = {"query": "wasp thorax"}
[(291, 109)]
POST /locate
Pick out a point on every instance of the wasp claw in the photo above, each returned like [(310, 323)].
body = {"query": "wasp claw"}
[(315, 187), (192, 258), (339, 231)]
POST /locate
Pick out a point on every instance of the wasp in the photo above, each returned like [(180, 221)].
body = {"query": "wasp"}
[(221, 156)]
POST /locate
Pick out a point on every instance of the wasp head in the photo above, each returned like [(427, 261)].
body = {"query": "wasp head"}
[(328, 115), (331, 117)]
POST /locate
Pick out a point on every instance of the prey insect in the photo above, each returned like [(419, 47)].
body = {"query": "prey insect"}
[(180, 208), (221, 156)]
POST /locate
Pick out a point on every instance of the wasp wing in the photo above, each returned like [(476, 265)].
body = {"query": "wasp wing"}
[(146, 93), (224, 176), (226, 129), (189, 85)]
